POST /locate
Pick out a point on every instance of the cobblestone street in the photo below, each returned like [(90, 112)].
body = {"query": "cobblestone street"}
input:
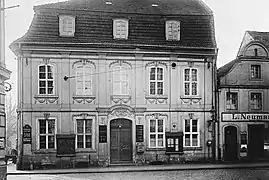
[(227, 174)]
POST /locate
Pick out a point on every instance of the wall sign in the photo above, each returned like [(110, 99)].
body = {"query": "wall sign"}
[(139, 133), (27, 134), (65, 145), (245, 116), (102, 134)]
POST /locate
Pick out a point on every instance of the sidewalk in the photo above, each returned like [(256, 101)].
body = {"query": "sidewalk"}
[(11, 168)]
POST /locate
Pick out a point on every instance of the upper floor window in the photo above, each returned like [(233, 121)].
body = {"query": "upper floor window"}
[(156, 81), (66, 25), (120, 29), (84, 80), (47, 134), (190, 82), (255, 71), (231, 100), (46, 79), (84, 137), (256, 101), (120, 80), (191, 133), (156, 133), (173, 30)]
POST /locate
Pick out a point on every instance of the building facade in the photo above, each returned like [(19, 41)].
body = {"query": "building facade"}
[(117, 82), (243, 101)]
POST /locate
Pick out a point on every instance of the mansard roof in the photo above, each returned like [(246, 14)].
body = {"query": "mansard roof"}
[(94, 27)]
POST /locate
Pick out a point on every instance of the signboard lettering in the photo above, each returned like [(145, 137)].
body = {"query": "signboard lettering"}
[(245, 117), (27, 134)]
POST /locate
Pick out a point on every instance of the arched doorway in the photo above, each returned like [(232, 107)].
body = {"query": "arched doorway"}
[(230, 144), (120, 140)]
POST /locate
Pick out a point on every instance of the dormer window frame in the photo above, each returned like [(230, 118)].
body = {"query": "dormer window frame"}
[(174, 35), (117, 33), (71, 25)]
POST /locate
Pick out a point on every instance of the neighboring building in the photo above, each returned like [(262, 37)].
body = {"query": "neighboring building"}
[(4, 75), (119, 80), (243, 100)]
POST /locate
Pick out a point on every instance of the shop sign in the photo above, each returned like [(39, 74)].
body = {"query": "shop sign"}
[(27, 134), (245, 116)]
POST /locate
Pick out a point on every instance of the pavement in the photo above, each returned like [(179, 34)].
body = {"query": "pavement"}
[(11, 168)]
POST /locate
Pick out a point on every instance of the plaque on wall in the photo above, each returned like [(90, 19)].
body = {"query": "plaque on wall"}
[(27, 134), (139, 133), (65, 145), (102, 134)]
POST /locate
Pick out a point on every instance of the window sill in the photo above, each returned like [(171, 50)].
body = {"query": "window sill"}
[(192, 148), (47, 99), (83, 99), (191, 99), (120, 98), (85, 150), (45, 151), (156, 99)]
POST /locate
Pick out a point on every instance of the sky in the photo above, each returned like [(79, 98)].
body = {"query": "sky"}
[(232, 18)]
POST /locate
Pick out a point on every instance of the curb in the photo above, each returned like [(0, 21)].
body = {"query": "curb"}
[(146, 169)]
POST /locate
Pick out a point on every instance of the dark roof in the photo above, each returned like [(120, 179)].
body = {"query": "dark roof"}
[(135, 6), (263, 37), (197, 31), (222, 71)]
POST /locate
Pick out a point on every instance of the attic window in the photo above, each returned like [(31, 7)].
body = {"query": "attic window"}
[(173, 30), (120, 28), (154, 5), (67, 25)]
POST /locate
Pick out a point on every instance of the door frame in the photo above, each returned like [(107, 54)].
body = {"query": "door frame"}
[(131, 139), (224, 144)]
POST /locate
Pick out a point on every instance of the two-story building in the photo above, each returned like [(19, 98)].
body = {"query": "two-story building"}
[(243, 101), (117, 81)]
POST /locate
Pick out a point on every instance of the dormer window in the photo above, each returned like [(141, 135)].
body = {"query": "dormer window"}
[(173, 30), (120, 28), (67, 25)]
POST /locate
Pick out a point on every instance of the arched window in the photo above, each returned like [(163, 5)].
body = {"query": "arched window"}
[(255, 50), (46, 79), (120, 80), (83, 80)]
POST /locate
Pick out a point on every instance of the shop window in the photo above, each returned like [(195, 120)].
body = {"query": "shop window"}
[(174, 142), (256, 101), (231, 101)]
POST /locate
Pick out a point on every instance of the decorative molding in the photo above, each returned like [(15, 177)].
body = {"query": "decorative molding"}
[(156, 64), (83, 115), (84, 99), (157, 115), (120, 62), (156, 99), (84, 62), (120, 99), (46, 115), (190, 99), (46, 99), (121, 112), (46, 61)]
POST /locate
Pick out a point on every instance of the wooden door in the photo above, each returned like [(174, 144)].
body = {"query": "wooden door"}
[(255, 140), (231, 146), (120, 140)]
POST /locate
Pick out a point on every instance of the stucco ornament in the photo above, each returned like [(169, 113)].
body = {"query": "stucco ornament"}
[(121, 112)]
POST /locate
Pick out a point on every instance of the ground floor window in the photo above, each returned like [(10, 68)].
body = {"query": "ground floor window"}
[(191, 133), (156, 133), (47, 134), (174, 142), (84, 133)]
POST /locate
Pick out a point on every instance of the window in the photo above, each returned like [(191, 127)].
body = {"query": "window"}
[(173, 30), (120, 29), (231, 101), (191, 133), (256, 101), (156, 81), (47, 134), (174, 142), (156, 133), (84, 80), (255, 71), (46, 79), (84, 133), (120, 80), (190, 82), (66, 25)]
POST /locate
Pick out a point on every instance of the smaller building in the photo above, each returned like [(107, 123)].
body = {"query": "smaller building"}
[(243, 101)]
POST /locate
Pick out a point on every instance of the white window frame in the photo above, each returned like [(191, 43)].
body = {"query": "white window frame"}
[(119, 33), (121, 81), (191, 133), (156, 133), (46, 134), (229, 101), (84, 75), (170, 36), (68, 29), (191, 81), (84, 133), (156, 81), (259, 70), (47, 79)]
